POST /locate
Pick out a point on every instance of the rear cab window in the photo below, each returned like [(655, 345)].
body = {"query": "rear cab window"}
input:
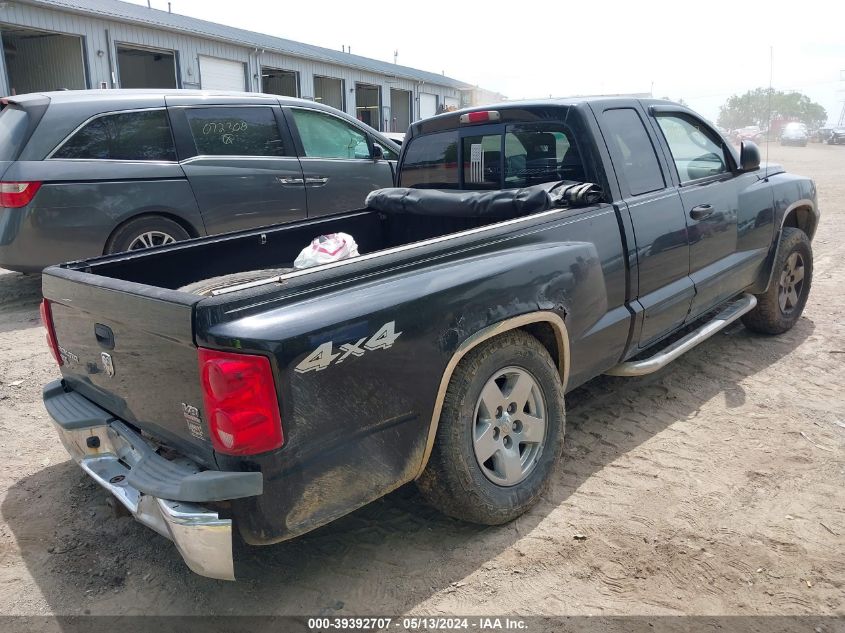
[(488, 157), (142, 135), (13, 126)]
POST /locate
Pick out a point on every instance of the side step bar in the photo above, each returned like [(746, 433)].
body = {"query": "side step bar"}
[(728, 315)]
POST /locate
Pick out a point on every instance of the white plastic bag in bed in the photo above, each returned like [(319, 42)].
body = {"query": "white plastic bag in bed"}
[(326, 249)]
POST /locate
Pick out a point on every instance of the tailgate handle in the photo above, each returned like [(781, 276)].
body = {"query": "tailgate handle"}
[(105, 337)]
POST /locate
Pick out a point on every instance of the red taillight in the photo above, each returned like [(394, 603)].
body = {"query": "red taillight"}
[(47, 320), (17, 194), (240, 402), (479, 117)]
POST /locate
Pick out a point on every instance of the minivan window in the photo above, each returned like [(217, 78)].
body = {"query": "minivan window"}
[(634, 154), (386, 152), (236, 131), (327, 136), (143, 135), (13, 121), (431, 162)]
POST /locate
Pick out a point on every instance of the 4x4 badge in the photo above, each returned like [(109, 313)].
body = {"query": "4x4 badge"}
[(108, 364)]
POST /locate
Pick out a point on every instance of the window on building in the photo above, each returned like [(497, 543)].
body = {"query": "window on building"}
[(141, 135), (236, 131), (327, 136), (329, 91)]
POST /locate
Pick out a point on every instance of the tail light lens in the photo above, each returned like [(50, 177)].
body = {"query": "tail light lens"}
[(240, 402), (17, 194), (47, 320), (479, 117)]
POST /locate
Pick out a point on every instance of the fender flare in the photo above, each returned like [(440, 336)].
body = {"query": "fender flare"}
[(543, 316), (803, 203)]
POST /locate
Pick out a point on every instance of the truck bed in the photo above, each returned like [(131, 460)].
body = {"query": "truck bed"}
[(271, 247)]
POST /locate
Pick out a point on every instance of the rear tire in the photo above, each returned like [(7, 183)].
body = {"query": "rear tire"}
[(144, 232), (780, 307), (481, 416)]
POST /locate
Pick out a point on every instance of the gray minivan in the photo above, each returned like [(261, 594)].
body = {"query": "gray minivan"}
[(83, 173)]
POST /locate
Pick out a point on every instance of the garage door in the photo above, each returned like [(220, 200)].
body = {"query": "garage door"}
[(451, 103), (428, 105), (221, 74)]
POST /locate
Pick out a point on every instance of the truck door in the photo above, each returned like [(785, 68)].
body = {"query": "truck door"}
[(337, 161), (705, 174), (240, 162), (660, 227)]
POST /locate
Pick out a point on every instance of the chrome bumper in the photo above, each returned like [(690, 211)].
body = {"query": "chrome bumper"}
[(203, 539)]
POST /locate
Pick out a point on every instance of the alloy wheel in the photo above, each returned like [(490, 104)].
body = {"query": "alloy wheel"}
[(509, 428), (791, 283), (150, 239)]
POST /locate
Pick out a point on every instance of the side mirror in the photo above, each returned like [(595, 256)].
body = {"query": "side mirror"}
[(749, 156), (378, 154)]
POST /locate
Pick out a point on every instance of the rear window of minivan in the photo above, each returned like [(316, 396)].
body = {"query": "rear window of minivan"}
[(13, 124)]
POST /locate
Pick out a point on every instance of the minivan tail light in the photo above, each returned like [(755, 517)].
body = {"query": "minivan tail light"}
[(479, 117), (241, 404), (14, 195), (52, 341)]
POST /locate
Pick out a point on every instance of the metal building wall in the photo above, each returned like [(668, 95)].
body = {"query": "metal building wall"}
[(102, 35)]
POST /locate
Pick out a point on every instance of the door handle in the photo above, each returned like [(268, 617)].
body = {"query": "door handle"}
[(290, 182), (701, 211), (317, 182)]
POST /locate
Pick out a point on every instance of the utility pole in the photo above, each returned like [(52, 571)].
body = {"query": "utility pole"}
[(842, 114)]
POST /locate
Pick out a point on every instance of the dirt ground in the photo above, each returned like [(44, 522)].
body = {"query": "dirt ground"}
[(713, 487)]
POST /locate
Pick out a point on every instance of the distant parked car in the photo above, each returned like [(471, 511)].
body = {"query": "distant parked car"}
[(750, 133), (83, 173), (819, 135), (794, 134), (837, 136)]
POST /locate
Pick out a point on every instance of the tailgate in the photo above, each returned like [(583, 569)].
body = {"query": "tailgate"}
[(130, 349)]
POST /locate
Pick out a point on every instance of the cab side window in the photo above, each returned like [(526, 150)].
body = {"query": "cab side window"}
[(143, 135), (696, 151), (326, 136), (633, 153)]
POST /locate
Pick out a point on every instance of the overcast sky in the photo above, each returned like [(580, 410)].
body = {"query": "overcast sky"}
[(537, 49)]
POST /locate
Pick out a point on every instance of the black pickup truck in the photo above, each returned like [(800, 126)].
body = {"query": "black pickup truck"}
[(488, 285)]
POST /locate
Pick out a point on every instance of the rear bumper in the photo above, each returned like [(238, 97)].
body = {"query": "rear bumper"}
[(123, 463)]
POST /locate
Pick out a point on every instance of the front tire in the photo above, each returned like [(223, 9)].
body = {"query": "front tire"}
[(501, 432), (780, 307)]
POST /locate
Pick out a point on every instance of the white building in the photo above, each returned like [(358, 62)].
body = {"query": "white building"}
[(78, 44)]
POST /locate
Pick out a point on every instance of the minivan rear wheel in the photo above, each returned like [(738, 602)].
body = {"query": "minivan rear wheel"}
[(144, 232)]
